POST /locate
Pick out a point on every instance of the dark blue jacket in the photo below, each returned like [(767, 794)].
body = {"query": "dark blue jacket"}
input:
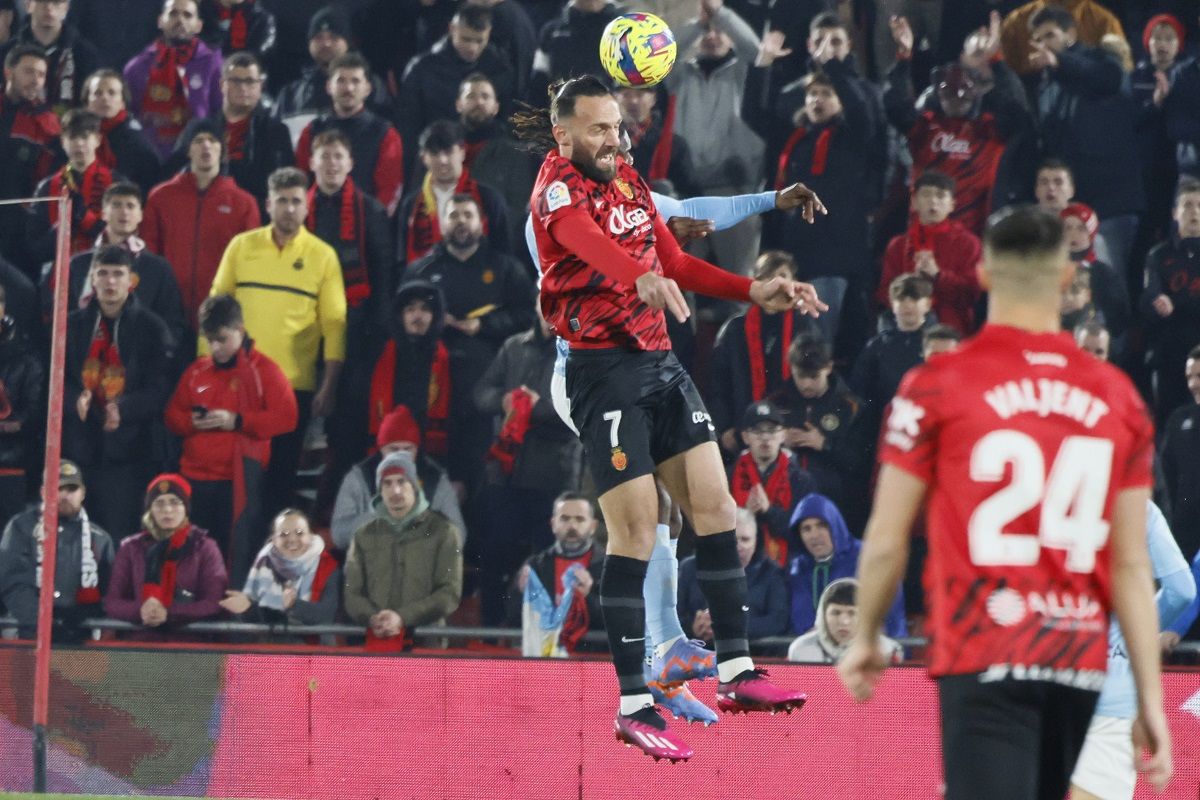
[(808, 577)]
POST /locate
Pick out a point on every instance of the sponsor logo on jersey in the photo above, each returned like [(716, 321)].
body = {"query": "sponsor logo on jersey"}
[(1059, 610), (949, 143), (621, 221), (904, 423), (557, 196)]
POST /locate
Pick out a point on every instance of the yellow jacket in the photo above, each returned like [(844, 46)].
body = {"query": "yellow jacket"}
[(292, 299), (1092, 21)]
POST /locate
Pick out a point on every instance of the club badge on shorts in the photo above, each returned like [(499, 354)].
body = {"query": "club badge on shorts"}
[(624, 188), (619, 460)]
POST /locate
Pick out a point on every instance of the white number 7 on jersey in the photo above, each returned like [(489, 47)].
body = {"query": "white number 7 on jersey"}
[(1072, 499), (615, 418)]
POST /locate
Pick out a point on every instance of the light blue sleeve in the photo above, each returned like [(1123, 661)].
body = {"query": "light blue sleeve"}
[(531, 242), (1177, 586), (725, 212)]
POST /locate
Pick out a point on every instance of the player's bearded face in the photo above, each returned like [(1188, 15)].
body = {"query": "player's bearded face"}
[(595, 137)]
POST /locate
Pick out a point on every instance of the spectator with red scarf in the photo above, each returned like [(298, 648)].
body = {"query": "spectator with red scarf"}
[(533, 458), (963, 129), (355, 225), (574, 526), (116, 388), (124, 147), (69, 56), (294, 578), (253, 143), (85, 177), (413, 368), (170, 573), (177, 78), (939, 248), (767, 480), (227, 407), (374, 144), (659, 153), (443, 154), (750, 356), (488, 298), (236, 26), (28, 134)]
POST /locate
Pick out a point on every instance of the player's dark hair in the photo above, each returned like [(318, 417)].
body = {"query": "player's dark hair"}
[(351, 60), (568, 496), (910, 285), (936, 179), (534, 127), (1023, 231), (243, 59), (940, 333), (770, 261), (286, 178), (121, 189), (827, 20), (113, 255), (477, 18), (464, 197), (1187, 185), (1055, 15), (1055, 164), (441, 136), (105, 74), (24, 51), (220, 311), (79, 122), (809, 353), (843, 594)]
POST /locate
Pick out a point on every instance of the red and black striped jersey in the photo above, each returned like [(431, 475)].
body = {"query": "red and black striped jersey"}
[(586, 307), (1025, 442), (966, 149)]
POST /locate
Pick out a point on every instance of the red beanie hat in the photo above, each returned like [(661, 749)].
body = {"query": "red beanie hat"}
[(1162, 19), (398, 426), (170, 483), (1084, 213)]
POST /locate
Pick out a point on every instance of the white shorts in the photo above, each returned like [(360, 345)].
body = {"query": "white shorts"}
[(1106, 766), (560, 401)]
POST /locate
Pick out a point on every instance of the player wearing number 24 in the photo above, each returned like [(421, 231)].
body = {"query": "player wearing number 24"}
[(1036, 459)]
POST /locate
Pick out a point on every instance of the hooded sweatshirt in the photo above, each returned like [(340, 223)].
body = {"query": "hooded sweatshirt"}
[(818, 645), (809, 577)]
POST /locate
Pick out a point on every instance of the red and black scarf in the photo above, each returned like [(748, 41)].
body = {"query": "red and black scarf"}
[(351, 230), (778, 487), (103, 372), (165, 100), (237, 134), (437, 407), (578, 618), (512, 433), (235, 22), (755, 354), (87, 189), (162, 563), (105, 154), (820, 156), (423, 228)]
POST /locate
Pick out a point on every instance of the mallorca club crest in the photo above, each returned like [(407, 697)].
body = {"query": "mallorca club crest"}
[(619, 460), (624, 188)]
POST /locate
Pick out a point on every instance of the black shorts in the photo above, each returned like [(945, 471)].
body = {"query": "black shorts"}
[(1011, 739), (634, 410)]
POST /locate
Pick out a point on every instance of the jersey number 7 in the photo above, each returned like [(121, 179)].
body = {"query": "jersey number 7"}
[(1072, 498)]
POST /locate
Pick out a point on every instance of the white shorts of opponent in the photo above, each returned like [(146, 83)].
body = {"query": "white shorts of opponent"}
[(1106, 766), (562, 403)]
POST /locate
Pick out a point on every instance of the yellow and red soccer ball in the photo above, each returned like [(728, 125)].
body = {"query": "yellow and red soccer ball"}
[(637, 49)]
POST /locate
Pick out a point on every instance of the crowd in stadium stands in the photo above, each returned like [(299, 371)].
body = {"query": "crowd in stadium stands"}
[(306, 377)]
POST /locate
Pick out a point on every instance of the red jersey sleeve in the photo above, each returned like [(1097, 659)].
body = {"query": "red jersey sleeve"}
[(561, 196), (910, 436)]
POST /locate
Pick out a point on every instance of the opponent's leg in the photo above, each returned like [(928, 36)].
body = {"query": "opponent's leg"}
[(696, 480)]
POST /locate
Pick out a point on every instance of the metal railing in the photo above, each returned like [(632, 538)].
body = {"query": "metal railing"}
[(456, 634)]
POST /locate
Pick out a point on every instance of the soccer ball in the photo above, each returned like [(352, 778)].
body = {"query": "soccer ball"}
[(637, 49)]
